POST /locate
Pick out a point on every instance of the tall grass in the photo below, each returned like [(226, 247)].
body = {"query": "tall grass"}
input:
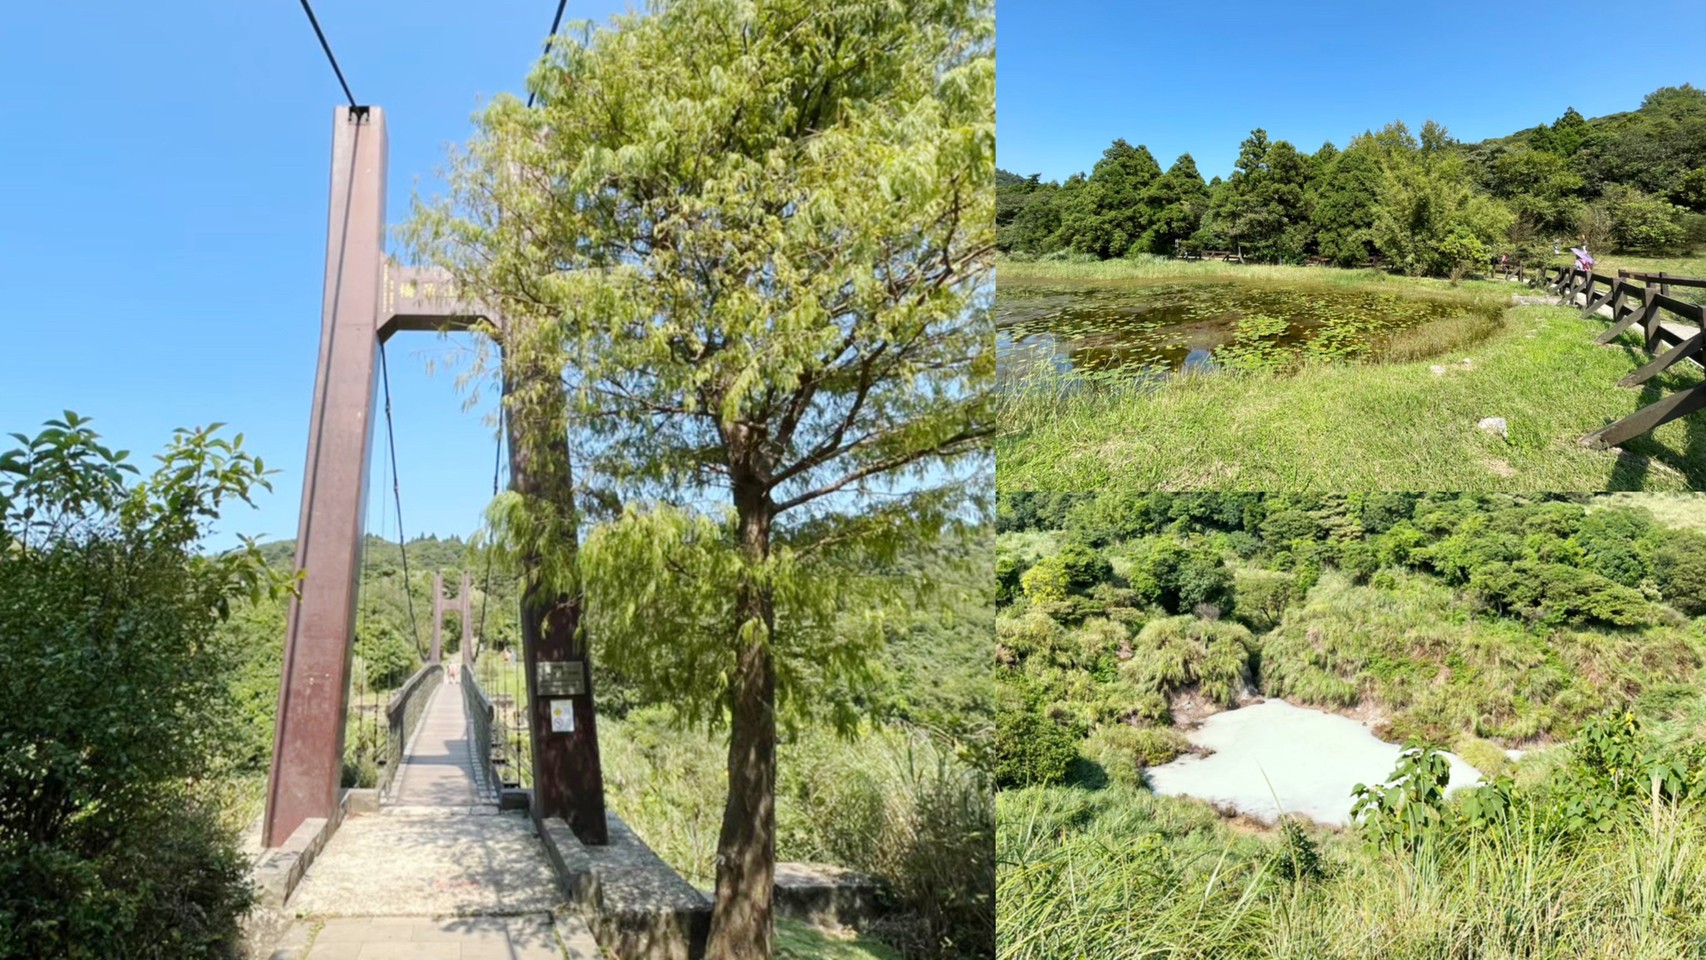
[(1019, 272), (1120, 873), (890, 802)]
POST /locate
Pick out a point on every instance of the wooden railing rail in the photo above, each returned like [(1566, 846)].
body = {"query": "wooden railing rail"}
[(1643, 300)]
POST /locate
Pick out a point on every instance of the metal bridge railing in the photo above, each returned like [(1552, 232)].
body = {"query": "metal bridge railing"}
[(481, 744), (504, 684), (404, 715)]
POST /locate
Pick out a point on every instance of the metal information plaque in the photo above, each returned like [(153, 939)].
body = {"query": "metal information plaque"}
[(560, 678)]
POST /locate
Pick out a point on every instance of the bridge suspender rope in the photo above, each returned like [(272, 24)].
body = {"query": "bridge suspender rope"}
[(397, 497), (497, 466), (556, 21)]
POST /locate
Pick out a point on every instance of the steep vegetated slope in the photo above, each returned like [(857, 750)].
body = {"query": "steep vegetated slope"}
[(1568, 626)]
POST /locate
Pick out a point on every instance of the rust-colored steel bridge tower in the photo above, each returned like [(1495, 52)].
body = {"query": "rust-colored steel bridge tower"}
[(367, 299)]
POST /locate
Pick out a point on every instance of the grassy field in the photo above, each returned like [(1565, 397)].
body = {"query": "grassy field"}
[(1685, 510), (1395, 425)]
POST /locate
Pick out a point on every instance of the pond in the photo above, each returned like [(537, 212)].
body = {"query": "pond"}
[(1116, 329), (1310, 760)]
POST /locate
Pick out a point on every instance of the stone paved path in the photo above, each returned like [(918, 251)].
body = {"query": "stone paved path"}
[(452, 864), (439, 872), (419, 938)]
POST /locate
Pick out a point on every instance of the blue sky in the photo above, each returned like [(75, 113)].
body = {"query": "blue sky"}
[(164, 226), (1195, 78)]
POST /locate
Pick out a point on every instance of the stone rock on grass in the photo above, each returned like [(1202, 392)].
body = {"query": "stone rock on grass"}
[(1496, 426)]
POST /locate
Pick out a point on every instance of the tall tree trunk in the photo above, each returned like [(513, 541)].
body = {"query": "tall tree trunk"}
[(568, 779), (742, 925)]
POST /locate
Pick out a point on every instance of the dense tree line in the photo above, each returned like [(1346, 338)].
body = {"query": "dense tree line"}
[(1421, 201)]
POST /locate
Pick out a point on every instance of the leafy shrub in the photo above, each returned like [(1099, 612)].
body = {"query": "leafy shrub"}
[(1616, 766), (1031, 750), (1263, 595), (1409, 809), (1555, 593), (1046, 580), (1297, 858), (109, 653), (1359, 561), (1085, 567), (1680, 568), (390, 657), (1009, 570), (1203, 580)]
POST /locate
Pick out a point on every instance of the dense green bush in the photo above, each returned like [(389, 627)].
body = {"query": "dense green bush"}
[(1123, 751), (1680, 567), (120, 717), (1031, 749)]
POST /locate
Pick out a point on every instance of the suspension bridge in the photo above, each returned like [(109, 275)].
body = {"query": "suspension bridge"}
[(440, 858)]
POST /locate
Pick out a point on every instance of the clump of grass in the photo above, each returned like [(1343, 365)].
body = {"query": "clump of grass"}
[(1124, 751), (1173, 653), (1428, 340)]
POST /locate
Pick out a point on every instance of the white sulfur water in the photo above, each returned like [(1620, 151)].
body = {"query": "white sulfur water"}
[(1309, 759)]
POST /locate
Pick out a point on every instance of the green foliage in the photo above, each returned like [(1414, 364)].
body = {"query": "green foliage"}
[(1616, 765), (1047, 580), (887, 802), (1298, 859), (1114, 207), (110, 652), (1409, 808), (1680, 567), (1428, 204), (1264, 595), (1484, 617), (1429, 219), (1690, 191), (1217, 657), (390, 657), (1031, 749)]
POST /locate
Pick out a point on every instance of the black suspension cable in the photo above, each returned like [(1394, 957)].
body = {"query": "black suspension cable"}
[(556, 22), (315, 23), (497, 464), (397, 496)]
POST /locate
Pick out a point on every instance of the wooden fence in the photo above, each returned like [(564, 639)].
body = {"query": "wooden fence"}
[(1671, 330)]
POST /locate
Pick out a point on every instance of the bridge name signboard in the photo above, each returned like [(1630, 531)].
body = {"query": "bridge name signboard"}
[(560, 678)]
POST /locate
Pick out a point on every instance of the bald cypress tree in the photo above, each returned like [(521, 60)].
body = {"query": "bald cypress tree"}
[(758, 236)]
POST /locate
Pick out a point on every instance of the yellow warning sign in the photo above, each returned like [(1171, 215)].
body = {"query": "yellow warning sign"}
[(562, 716)]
